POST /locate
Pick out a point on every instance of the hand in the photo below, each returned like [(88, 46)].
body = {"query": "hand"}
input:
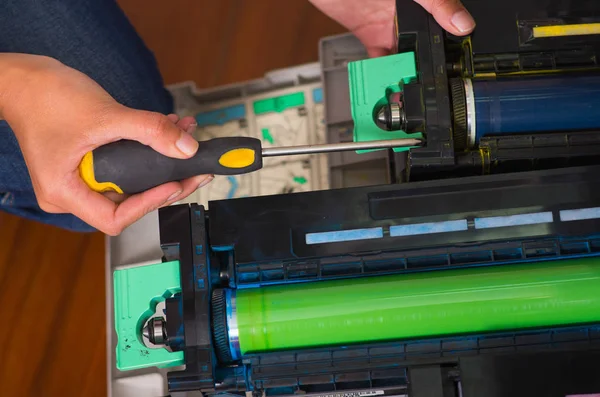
[(58, 115), (372, 21)]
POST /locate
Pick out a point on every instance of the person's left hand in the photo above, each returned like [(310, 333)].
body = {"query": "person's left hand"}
[(59, 114), (187, 124), (372, 21)]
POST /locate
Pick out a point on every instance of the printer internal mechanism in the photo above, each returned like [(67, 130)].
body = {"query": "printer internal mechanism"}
[(514, 96), (475, 272)]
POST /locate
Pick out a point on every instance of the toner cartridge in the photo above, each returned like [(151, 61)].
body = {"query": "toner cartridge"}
[(467, 266)]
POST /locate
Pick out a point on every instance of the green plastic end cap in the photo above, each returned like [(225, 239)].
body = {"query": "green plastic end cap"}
[(371, 82), (137, 291)]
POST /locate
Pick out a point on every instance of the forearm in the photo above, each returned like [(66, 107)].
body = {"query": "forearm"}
[(19, 72), (354, 14)]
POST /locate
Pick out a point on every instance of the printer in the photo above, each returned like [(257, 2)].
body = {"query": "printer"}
[(466, 266)]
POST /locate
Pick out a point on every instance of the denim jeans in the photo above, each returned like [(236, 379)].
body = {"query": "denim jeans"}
[(94, 37)]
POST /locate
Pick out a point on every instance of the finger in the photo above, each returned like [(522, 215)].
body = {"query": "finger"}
[(451, 15), (115, 197), (190, 186), (173, 117), (376, 52), (111, 218), (188, 124), (156, 131)]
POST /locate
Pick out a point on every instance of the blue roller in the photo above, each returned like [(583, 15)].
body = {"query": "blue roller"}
[(536, 105)]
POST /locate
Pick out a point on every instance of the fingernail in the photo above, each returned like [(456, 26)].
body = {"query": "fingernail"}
[(463, 21), (206, 181), (192, 128), (187, 144), (173, 196)]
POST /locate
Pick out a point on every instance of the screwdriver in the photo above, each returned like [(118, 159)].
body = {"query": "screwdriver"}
[(131, 167)]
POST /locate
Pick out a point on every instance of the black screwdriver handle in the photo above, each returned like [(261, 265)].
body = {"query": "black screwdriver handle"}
[(131, 167)]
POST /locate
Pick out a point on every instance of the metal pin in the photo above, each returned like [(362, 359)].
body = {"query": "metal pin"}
[(340, 147), (155, 331), (391, 117)]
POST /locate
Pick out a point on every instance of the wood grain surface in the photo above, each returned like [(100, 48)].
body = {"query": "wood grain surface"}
[(52, 327)]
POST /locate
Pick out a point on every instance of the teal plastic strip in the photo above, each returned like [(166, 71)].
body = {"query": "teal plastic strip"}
[(221, 116), (429, 228), (318, 95), (137, 291), (234, 186), (580, 214), (344, 235), (513, 220)]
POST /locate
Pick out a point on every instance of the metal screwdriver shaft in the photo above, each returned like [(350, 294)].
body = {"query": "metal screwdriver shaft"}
[(131, 167), (339, 147)]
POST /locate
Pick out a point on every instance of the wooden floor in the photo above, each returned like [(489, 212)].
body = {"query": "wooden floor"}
[(52, 332)]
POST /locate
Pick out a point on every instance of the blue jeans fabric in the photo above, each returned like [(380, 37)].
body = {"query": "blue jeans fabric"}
[(94, 37)]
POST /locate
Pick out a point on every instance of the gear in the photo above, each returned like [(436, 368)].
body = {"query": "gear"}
[(459, 114), (219, 326)]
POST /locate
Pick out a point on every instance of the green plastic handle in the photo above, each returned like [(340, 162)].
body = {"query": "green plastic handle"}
[(137, 292)]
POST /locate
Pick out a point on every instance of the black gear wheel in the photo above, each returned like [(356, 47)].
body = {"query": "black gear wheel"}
[(219, 326), (459, 113)]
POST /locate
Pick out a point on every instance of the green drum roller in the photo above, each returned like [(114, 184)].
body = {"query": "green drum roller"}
[(407, 306)]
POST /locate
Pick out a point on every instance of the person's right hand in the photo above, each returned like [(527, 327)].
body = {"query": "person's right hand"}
[(58, 115), (372, 21)]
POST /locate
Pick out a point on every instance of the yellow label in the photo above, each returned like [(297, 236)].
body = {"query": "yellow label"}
[(396, 31), (86, 171), (582, 29), (238, 158)]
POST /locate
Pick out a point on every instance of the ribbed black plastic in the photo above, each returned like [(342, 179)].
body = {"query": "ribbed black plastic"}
[(459, 113), (219, 326)]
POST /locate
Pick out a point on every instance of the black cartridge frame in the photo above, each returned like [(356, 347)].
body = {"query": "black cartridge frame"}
[(260, 241)]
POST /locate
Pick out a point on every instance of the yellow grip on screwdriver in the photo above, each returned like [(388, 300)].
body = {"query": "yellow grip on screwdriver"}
[(86, 171), (131, 167), (238, 158)]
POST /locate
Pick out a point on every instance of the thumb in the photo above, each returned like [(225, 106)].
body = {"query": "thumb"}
[(157, 131), (451, 15)]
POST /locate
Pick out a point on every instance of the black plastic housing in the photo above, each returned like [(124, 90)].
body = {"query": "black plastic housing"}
[(183, 236), (258, 241), (254, 242), (266, 236), (502, 45)]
